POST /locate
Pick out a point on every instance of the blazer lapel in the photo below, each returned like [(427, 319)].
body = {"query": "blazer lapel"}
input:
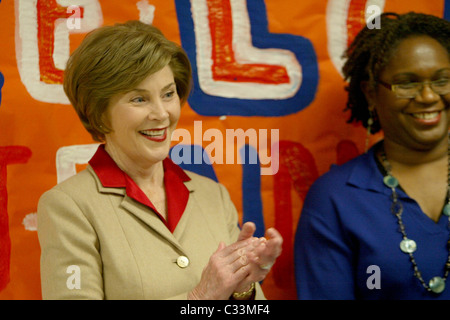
[(191, 205), (150, 218), (197, 218), (142, 212)]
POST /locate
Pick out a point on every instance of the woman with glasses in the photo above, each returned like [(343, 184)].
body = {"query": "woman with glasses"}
[(377, 227)]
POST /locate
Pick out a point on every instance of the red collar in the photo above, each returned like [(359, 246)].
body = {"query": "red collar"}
[(111, 176)]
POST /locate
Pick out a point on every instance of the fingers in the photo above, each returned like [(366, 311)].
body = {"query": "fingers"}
[(272, 246), (221, 246), (275, 242), (266, 253), (247, 231), (261, 251), (238, 245), (234, 256), (251, 254), (239, 264)]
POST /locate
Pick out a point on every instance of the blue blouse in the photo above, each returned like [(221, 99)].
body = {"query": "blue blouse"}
[(347, 244)]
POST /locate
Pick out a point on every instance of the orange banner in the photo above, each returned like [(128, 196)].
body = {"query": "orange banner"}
[(266, 114)]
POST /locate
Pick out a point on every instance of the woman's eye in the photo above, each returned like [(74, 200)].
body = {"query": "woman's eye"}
[(138, 100), (441, 82), (169, 94), (407, 85)]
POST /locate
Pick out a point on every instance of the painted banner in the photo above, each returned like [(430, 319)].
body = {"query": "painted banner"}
[(265, 118)]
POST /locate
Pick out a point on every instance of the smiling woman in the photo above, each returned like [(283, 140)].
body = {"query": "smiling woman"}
[(390, 207), (412, 113), (134, 225), (142, 123)]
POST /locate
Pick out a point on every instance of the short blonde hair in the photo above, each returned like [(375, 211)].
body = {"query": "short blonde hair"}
[(115, 59)]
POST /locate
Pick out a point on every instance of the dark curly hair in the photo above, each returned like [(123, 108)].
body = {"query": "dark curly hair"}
[(371, 51)]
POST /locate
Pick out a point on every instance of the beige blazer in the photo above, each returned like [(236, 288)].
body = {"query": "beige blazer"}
[(97, 243)]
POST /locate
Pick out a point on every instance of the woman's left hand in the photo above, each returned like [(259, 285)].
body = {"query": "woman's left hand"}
[(262, 258)]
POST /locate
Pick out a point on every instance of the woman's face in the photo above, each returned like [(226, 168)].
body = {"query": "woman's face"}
[(143, 120), (423, 121)]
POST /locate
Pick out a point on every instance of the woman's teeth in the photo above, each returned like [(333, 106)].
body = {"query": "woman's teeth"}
[(153, 133), (426, 116)]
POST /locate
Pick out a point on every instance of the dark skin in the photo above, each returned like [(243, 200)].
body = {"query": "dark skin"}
[(416, 129)]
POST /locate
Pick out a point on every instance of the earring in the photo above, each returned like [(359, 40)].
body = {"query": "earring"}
[(369, 129)]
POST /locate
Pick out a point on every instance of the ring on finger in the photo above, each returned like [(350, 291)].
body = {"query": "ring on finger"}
[(266, 266)]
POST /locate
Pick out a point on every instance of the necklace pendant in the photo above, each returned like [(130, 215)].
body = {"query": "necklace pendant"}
[(446, 210), (408, 246), (390, 181), (437, 284)]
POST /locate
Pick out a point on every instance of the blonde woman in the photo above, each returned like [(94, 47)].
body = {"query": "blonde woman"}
[(134, 225)]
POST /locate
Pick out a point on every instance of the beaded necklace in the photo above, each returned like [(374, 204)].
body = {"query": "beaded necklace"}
[(408, 246)]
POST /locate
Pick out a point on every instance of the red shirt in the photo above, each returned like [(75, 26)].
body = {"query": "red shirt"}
[(111, 176)]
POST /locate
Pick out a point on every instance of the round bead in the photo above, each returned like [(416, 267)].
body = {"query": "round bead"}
[(408, 246), (446, 210), (390, 181), (437, 284)]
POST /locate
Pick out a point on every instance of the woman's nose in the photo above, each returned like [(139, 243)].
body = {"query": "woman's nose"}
[(427, 95), (158, 111)]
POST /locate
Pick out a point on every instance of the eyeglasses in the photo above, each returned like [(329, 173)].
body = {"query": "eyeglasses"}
[(411, 89)]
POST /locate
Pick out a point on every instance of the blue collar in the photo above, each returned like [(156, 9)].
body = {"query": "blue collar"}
[(367, 175)]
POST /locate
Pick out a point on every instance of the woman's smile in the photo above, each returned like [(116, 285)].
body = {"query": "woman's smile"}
[(157, 135), (429, 118)]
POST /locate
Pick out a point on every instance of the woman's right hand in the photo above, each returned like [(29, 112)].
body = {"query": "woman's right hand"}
[(226, 268)]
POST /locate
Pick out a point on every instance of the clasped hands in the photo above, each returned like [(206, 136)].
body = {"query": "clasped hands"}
[(233, 268)]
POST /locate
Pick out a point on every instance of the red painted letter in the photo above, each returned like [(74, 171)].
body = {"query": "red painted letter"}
[(48, 12), (8, 155), (297, 170)]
